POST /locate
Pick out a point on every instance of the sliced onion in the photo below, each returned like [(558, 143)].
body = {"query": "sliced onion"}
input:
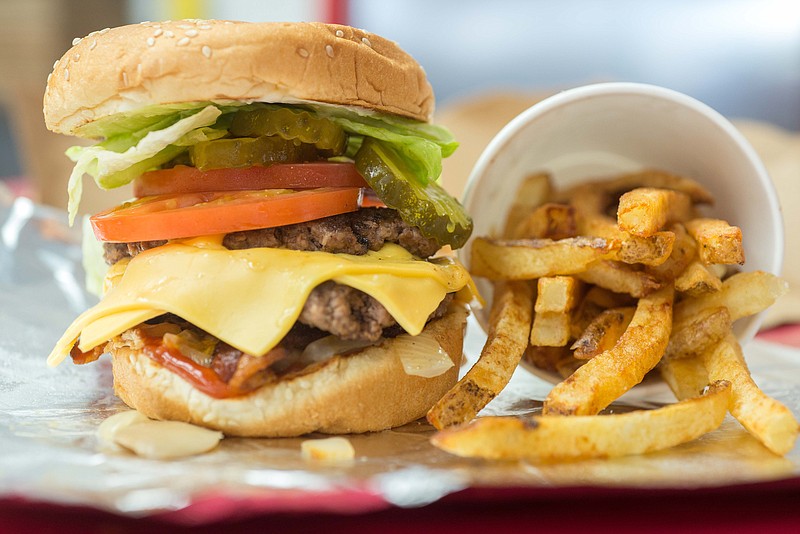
[(198, 349), (328, 347), (422, 355)]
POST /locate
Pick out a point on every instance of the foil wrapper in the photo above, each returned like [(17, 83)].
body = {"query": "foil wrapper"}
[(49, 417)]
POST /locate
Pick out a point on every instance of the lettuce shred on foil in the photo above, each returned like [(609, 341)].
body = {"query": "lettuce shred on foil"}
[(136, 142)]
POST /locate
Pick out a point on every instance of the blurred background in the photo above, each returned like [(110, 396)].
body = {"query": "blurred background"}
[(486, 60)]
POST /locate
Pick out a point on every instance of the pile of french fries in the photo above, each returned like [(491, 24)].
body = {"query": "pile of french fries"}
[(603, 283)]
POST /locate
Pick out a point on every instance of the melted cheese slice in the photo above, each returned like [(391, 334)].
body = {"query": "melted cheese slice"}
[(251, 298)]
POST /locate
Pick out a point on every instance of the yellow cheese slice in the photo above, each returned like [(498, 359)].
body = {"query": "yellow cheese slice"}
[(251, 298)]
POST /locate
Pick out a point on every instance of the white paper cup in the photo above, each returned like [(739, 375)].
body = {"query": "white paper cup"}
[(604, 129)]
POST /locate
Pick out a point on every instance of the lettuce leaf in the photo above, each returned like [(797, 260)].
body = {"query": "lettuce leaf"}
[(120, 159)]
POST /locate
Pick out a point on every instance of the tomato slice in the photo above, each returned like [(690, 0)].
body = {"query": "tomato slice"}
[(208, 213), (183, 179)]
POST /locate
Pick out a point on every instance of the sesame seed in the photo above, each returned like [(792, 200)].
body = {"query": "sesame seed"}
[(76, 41), (151, 41), (49, 76), (104, 31), (55, 64), (66, 74), (206, 50), (339, 33), (205, 27), (366, 42), (139, 70), (184, 26), (91, 46), (183, 41), (191, 33), (169, 34), (158, 32), (302, 52), (125, 78), (76, 57), (329, 50)]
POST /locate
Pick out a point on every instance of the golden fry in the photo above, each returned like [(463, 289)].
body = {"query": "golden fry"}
[(554, 439), (602, 333), (548, 221), (742, 294), (684, 250), (645, 210), (620, 278), (765, 418), (550, 329), (693, 335), (608, 375), (510, 323), (557, 293), (533, 258), (717, 241), (697, 280), (531, 193), (686, 377)]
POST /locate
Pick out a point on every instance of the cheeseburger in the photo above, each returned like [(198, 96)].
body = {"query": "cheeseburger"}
[(281, 267)]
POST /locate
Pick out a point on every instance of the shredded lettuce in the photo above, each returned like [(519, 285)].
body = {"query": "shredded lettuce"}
[(112, 164)]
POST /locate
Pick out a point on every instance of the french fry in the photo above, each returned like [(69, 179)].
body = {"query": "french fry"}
[(557, 293), (697, 280), (608, 375), (620, 278), (553, 439), (651, 250), (742, 294), (510, 323), (693, 335), (717, 241), (684, 250), (548, 221), (546, 358), (594, 302), (765, 418), (534, 258), (534, 190), (602, 333), (550, 329), (645, 210), (686, 377)]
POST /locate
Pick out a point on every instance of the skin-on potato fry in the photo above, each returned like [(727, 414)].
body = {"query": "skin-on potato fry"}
[(533, 258), (594, 302), (684, 251), (510, 323), (742, 294), (602, 333), (693, 335), (608, 375), (553, 439), (620, 278), (531, 193), (697, 280), (651, 250), (645, 210), (717, 241), (765, 418), (548, 221), (546, 358)]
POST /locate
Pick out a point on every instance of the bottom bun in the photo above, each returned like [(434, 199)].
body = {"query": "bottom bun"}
[(363, 392)]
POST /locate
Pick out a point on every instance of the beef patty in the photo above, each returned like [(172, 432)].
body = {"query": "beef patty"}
[(335, 308)]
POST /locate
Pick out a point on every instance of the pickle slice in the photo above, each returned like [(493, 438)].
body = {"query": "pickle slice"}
[(428, 207), (290, 124), (248, 151)]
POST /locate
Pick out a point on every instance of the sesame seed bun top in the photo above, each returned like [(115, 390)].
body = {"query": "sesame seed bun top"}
[(126, 68)]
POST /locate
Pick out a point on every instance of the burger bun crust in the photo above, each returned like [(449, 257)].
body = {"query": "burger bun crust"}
[(152, 63), (363, 392)]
